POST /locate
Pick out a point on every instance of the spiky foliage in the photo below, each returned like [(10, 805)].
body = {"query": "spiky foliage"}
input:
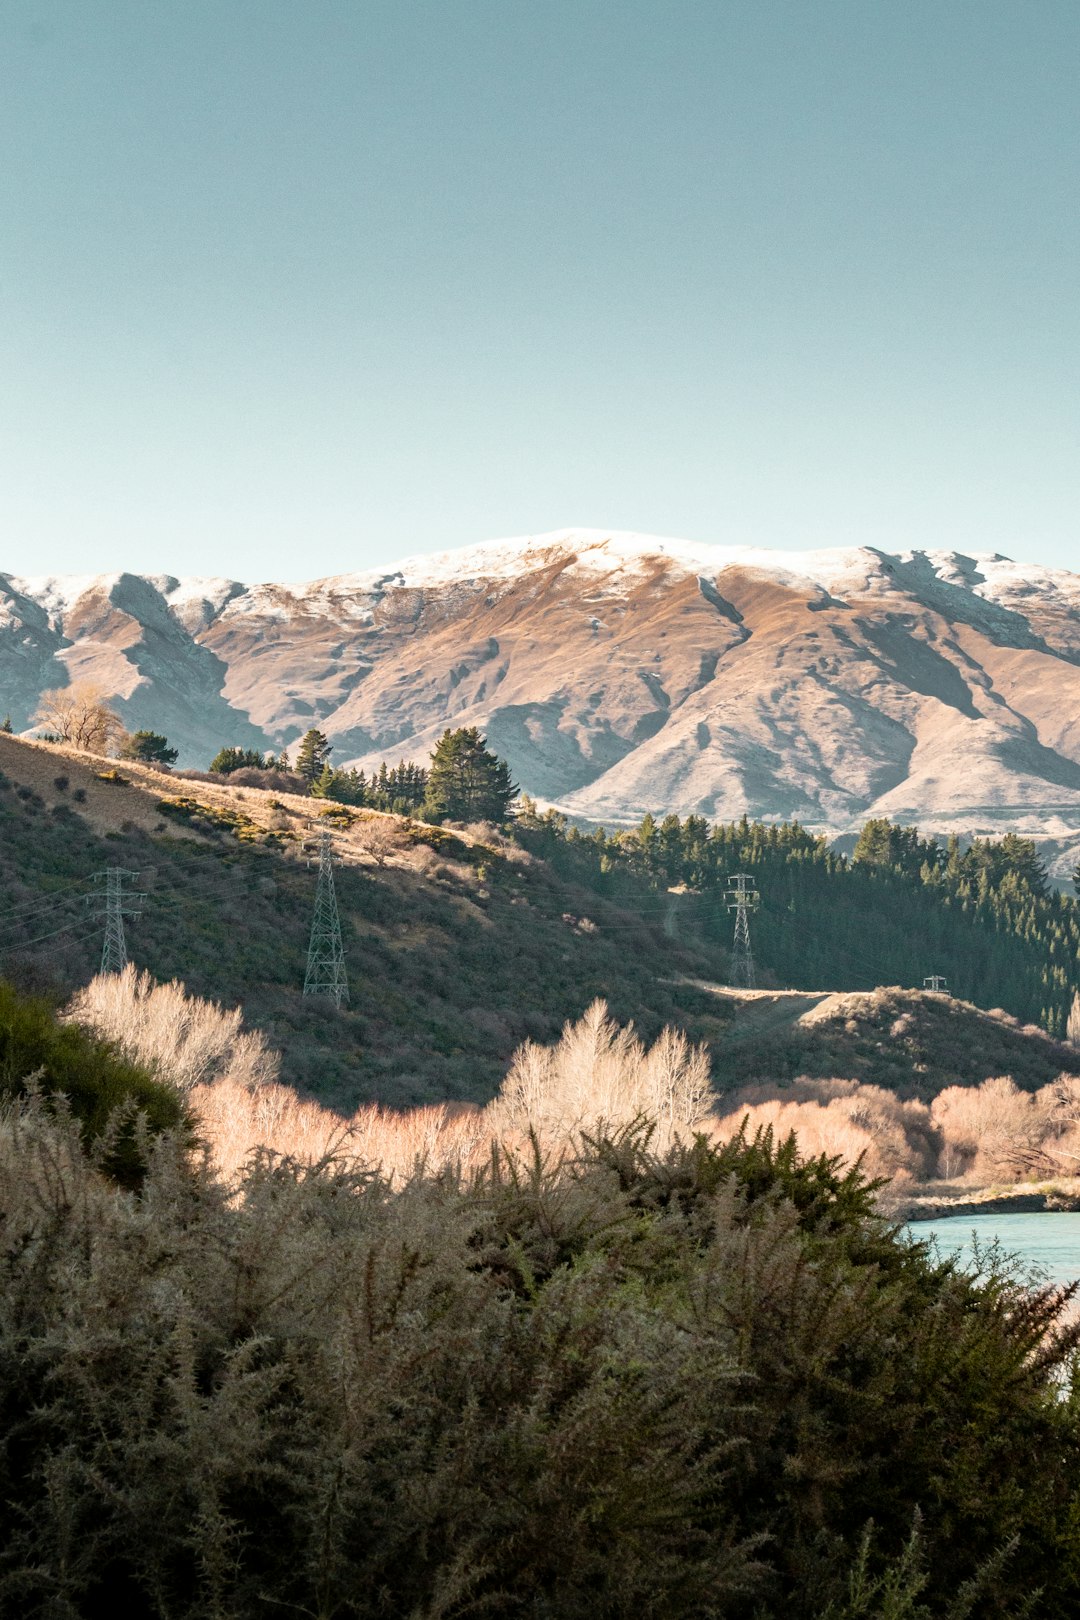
[(614, 1384), (104, 1090)]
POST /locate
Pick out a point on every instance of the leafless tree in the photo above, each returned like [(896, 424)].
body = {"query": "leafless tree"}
[(181, 1038), (600, 1071), (379, 837), (78, 714)]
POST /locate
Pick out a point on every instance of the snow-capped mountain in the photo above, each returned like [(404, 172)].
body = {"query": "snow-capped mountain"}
[(618, 673)]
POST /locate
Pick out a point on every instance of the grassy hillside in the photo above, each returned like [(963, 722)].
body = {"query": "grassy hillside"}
[(457, 950), (459, 946), (904, 1040)]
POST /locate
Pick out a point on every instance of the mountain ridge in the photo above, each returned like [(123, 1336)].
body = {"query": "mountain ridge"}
[(619, 673)]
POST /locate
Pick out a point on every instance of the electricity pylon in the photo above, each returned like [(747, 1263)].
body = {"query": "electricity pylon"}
[(742, 899), (325, 974), (117, 906), (937, 984)]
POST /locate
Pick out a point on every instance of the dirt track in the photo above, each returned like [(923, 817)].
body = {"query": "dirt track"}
[(760, 1012)]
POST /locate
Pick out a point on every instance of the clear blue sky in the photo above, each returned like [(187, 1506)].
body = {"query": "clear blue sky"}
[(299, 286)]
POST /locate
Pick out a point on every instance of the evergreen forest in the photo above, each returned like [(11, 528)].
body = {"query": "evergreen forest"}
[(900, 908)]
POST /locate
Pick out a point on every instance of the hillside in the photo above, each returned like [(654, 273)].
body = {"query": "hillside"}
[(619, 674), (457, 950), (459, 947), (906, 1041)]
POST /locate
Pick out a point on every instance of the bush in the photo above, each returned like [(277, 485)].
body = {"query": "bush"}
[(703, 1383), (103, 1090), (181, 1039)]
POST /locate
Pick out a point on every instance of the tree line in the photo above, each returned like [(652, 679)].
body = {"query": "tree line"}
[(463, 781), (900, 908)]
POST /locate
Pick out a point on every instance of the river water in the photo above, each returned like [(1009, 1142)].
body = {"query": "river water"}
[(1046, 1241)]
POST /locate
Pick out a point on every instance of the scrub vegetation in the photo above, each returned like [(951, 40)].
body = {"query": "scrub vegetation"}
[(597, 1376)]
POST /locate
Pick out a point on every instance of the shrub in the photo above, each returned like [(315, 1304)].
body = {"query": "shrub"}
[(702, 1383), (103, 1089)]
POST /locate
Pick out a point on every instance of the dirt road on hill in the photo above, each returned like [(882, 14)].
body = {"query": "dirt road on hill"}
[(762, 1012)]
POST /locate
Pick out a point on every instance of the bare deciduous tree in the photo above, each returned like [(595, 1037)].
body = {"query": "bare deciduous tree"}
[(179, 1037), (379, 837), (79, 715), (600, 1071)]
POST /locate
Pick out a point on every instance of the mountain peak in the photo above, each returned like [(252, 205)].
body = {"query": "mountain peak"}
[(618, 672)]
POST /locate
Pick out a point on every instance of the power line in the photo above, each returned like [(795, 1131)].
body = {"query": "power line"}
[(54, 933), (117, 906), (325, 975), (742, 899), (48, 900)]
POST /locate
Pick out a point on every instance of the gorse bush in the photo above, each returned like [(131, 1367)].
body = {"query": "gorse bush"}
[(105, 1091), (707, 1382)]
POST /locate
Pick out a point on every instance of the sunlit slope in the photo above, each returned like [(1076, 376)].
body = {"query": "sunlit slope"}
[(456, 950), (618, 674)]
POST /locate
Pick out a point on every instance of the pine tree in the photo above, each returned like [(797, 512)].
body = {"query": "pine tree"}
[(7, 726), (150, 747), (227, 760), (313, 754), (467, 782), (324, 784)]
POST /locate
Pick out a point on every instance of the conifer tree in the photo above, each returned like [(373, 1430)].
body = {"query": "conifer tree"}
[(227, 760), (467, 782), (324, 784), (150, 747), (1072, 1028), (313, 754)]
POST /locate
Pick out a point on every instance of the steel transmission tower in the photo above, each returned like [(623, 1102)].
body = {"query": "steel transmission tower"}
[(117, 906), (742, 899), (325, 974), (937, 984)]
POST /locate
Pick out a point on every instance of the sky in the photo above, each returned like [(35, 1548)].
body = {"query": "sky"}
[(290, 290)]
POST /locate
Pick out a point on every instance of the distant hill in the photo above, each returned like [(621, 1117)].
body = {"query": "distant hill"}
[(619, 674), (904, 1040), (459, 947)]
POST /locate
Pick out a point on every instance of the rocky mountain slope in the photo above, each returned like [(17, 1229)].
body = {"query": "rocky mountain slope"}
[(618, 674)]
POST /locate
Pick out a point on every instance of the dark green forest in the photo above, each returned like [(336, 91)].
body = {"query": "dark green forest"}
[(901, 908)]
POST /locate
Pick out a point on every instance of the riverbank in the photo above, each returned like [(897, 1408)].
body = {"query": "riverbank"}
[(931, 1201)]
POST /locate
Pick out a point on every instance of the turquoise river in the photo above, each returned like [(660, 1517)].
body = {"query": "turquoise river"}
[(1045, 1241)]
